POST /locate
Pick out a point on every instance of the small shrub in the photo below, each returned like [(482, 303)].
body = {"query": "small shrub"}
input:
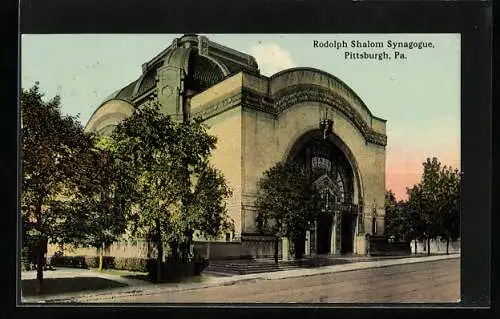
[(69, 261), (200, 265), (25, 260), (131, 264), (175, 270), (92, 261), (108, 262)]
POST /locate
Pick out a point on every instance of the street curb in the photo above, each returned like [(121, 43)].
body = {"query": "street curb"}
[(228, 281), (356, 266)]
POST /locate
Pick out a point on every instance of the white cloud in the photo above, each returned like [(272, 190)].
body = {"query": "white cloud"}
[(271, 58)]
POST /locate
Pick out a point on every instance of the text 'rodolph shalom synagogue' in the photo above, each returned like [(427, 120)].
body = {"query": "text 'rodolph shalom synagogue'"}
[(373, 44)]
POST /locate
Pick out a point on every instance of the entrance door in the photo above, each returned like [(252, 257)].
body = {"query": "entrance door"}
[(347, 234), (324, 233)]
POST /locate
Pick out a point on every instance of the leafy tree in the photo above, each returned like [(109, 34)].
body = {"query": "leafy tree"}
[(176, 191), (147, 143), (396, 221), (392, 216), (437, 198), (103, 205), (51, 146), (205, 210), (403, 219), (286, 203), (203, 194), (449, 212), (430, 198)]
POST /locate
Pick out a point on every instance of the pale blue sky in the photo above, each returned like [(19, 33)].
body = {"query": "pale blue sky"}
[(419, 97)]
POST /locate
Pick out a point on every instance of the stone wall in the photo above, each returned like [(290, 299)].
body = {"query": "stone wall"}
[(122, 249), (360, 245), (261, 247), (222, 250), (381, 246)]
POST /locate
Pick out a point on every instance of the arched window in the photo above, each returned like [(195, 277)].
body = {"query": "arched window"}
[(340, 188), (321, 163)]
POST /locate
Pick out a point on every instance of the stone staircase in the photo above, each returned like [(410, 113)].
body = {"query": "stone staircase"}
[(255, 266)]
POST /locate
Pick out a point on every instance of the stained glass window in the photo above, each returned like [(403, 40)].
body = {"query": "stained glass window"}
[(321, 163), (340, 186)]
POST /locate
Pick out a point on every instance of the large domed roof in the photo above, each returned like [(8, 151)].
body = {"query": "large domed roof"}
[(204, 62)]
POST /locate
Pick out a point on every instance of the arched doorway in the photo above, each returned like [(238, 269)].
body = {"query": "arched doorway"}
[(332, 174)]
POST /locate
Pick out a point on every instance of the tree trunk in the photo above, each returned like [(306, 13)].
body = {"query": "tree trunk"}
[(428, 245), (415, 244), (174, 245), (159, 246), (101, 257), (447, 245), (190, 245), (276, 245), (39, 268), (40, 251)]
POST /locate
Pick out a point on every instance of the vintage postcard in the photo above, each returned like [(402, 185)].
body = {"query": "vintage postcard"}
[(240, 168)]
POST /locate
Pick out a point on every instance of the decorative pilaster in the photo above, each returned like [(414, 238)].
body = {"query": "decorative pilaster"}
[(315, 244), (285, 249), (338, 235), (308, 243), (203, 46), (361, 221), (169, 88), (333, 238)]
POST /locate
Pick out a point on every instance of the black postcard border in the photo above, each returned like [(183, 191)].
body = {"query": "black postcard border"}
[(471, 19)]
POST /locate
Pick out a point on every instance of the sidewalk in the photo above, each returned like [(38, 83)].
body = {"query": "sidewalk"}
[(152, 289), (76, 272)]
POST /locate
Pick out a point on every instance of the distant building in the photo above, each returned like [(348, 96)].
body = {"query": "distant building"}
[(302, 115)]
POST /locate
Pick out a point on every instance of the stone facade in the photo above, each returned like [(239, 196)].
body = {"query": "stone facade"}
[(258, 121)]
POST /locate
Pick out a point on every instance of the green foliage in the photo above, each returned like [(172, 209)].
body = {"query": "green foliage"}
[(175, 270), (394, 217), (109, 262), (205, 210), (286, 201), (171, 269), (52, 145), (70, 261), (438, 198), (401, 221), (105, 199), (131, 263), (175, 191), (432, 209)]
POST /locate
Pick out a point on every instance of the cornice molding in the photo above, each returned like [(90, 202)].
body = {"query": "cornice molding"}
[(293, 95), (222, 105), (287, 98)]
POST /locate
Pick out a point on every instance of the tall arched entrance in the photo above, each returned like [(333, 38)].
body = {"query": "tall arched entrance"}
[(331, 172)]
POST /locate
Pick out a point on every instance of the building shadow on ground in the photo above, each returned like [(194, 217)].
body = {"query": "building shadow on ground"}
[(177, 279), (54, 286)]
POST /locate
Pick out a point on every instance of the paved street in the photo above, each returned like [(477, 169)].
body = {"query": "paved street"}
[(436, 281)]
